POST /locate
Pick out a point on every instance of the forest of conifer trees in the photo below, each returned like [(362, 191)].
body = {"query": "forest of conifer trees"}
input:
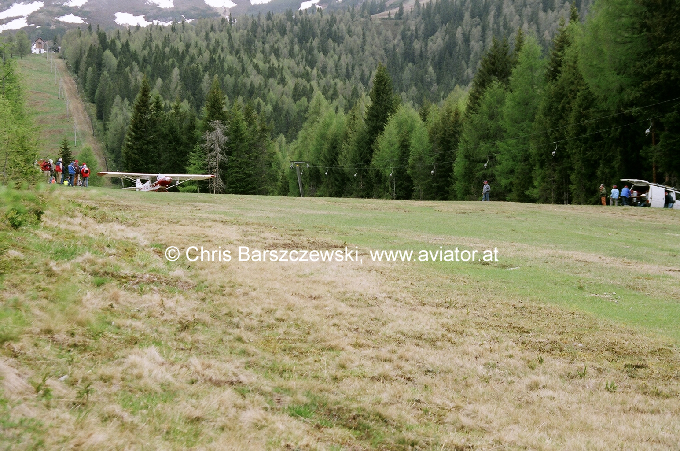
[(18, 146), (558, 102)]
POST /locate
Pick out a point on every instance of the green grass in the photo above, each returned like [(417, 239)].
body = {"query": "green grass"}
[(569, 341), (555, 232), (26, 433), (49, 111), (12, 321), (419, 355)]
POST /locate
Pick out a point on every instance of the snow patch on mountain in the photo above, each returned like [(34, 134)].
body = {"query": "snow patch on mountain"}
[(220, 3), (132, 21), (15, 24), (21, 10), (71, 18), (309, 4)]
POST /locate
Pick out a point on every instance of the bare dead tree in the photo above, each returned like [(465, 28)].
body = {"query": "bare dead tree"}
[(215, 145)]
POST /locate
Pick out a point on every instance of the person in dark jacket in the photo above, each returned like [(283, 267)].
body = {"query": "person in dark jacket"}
[(625, 196), (71, 173), (485, 191)]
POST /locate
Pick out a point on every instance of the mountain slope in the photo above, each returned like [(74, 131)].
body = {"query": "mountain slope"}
[(56, 16)]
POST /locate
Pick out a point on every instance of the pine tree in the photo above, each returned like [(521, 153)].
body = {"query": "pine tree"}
[(515, 166), (383, 104), (476, 156), (334, 137), (495, 67), (656, 80), (421, 163), (18, 149), (238, 174), (180, 133), (104, 98), (65, 153), (445, 136), (562, 41), (552, 160), (519, 43), (393, 149), (349, 157), (215, 106), (119, 118), (139, 149), (22, 45), (584, 149), (260, 152)]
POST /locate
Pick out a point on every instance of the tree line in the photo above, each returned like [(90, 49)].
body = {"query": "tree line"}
[(15, 44), (18, 146), (374, 108), (540, 126), (278, 61)]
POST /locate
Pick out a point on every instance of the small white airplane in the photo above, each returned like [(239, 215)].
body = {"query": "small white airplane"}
[(161, 182)]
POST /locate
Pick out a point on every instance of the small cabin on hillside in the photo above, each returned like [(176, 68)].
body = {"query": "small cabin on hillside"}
[(39, 46)]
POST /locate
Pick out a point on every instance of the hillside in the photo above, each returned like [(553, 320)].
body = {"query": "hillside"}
[(57, 109), (568, 341), (277, 63), (50, 18)]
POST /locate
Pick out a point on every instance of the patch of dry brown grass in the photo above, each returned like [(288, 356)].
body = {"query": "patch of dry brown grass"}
[(314, 356)]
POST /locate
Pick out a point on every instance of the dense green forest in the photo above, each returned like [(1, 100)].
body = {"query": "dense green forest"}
[(381, 108), (18, 147), (20, 204)]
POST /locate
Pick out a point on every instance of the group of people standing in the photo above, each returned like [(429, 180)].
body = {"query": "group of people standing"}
[(78, 175), (626, 195), (630, 197), (615, 195)]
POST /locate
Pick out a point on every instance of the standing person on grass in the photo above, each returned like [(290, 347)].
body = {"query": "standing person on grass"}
[(46, 168), (614, 196), (603, 195), (625, 195), (485, 191), (71, 173), (85, 174), (59, 171), (76, 178)]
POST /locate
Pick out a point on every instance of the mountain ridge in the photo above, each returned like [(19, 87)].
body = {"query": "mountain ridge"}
[(49, 18)]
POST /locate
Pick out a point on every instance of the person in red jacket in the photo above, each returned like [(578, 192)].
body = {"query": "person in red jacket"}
[(85, 174), (46, 168), (59, 170)]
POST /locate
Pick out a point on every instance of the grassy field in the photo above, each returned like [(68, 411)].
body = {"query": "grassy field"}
[(568, 341)]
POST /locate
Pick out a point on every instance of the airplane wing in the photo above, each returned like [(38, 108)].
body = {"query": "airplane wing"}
[(141, 175), (189, 176), (135, 175)]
